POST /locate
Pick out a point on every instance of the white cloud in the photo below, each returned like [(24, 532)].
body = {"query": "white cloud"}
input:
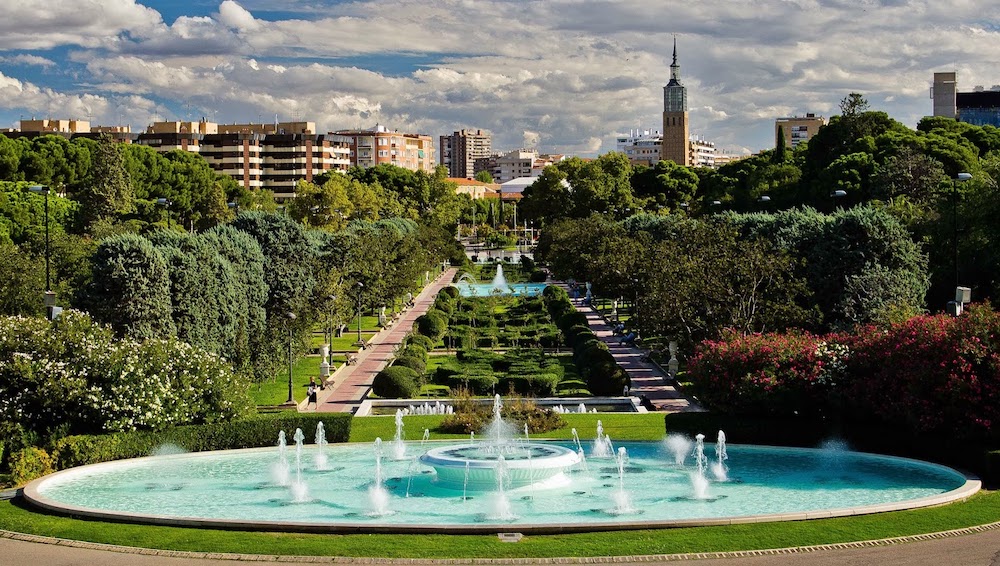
[(26, 59), (566, 72)]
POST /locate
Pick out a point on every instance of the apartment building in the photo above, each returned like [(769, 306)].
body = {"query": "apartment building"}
[(379, 145), (515, 164), (797, 129), (69, 129), (980, 107), (259, 156), (459, 151), (641, 146)]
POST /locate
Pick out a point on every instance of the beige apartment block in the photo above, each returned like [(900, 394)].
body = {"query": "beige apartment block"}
[(798, 129), (380, 145)]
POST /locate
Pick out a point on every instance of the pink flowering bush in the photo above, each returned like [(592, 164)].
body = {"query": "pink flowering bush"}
[(927, 374)]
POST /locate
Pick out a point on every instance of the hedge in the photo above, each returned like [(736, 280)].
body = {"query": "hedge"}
[(420, 340), (260, 431), (416, 364), (396, 382), (451, 291)]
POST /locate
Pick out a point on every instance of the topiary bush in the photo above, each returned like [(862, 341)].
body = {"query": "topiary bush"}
[(416, 364), (396, 382), (420, 340), (451, 291), (29, 463), (433, 324)]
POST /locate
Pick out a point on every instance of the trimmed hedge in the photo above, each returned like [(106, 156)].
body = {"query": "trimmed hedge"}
[(413, 362), (433, 324), (396, 382), (420, 340), (451, 291), (260, 431)]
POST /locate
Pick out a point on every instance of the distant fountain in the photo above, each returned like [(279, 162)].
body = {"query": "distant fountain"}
[(300, 492), (579, 450), (602, 444), (378, 497), (321, 459), (279, 470), (719, 469), (699, 482), (500, 282), (678, 445), (398, 445), (426, 437)]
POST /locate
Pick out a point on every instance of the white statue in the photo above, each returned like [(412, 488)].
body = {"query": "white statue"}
[(324, 352), (614, 309), (673, 364), (589, 297), (381, 317)]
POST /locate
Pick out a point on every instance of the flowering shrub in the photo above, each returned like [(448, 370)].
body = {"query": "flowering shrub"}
[(928, 373), (74, 373)]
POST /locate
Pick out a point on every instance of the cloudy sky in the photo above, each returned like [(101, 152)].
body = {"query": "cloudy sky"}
[(563, 75)]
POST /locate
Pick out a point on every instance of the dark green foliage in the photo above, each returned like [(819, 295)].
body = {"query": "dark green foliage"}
[(576, 334), (109, 193), (418, 365), (470, 416), (450, 291), (396, 382), (433, 324), (538, 276), (420, 340), (130, 289), (260, 431), (571, 319)]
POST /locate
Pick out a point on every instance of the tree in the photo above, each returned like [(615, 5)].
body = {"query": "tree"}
[(664, 186), (130, 289), (547, 199), (109, 194), (484, 177), (779, 150)]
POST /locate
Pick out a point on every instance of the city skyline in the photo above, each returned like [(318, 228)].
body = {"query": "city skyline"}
[(565, 77)]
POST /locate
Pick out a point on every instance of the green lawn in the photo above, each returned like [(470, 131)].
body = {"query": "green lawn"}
[(275, 391)]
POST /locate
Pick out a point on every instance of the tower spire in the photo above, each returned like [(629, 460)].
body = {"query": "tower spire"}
[(675, 68)]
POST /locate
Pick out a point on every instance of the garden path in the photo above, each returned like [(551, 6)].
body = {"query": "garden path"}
[(354, 381), (648, 379)]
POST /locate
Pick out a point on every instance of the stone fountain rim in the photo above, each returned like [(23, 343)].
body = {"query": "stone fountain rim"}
[(566, 457)]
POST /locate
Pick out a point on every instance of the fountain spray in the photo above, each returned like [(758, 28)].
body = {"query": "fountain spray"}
[(321, 459), (719, 469)]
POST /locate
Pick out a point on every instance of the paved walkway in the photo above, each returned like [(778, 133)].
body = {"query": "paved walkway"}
[(647, 378), (352, 384), (980, 548)]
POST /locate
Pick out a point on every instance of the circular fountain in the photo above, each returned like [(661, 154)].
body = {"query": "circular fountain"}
[(469, 287), (496, 481)]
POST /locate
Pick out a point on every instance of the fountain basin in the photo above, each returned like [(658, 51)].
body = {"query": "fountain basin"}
[(473, 466), (234, 489), (509, 289)]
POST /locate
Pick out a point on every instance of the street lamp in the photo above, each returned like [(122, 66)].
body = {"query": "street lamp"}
[(165, 203), (360, 341), (50, 297), (961, 178), (837, 194), (333, 305), (291, 319)]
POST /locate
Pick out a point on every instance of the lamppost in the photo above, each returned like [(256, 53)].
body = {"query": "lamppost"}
[(50, 297), (165, 203), (961, 178), (835, 195), (291, 319), (333, 306), (360, 287)]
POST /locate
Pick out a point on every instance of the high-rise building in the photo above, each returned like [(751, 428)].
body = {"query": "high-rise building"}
[(797, 129), (980, 107), (379, 145), (675, 117), (460, 150), (944, 93)]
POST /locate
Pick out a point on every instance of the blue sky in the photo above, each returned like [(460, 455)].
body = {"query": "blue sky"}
[(566, 76)]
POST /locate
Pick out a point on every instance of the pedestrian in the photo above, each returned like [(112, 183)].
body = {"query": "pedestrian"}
[(311, 394)]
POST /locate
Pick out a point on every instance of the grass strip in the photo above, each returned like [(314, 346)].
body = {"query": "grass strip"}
[(980, 509)]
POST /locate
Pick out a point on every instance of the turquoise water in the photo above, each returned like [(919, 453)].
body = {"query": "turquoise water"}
[(488, 289), (244, 485)]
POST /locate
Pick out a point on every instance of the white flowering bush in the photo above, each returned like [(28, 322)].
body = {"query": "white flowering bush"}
[(74, 374), (831, 359)]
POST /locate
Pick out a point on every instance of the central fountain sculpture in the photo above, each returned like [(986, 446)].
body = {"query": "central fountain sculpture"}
[(469, 287), (476, 464)]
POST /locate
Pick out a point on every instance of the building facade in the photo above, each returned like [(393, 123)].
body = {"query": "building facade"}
[(459, 151), (641, 146), (259, 156), (980, 107), (797, 129), (378, 145), (675, 117)]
